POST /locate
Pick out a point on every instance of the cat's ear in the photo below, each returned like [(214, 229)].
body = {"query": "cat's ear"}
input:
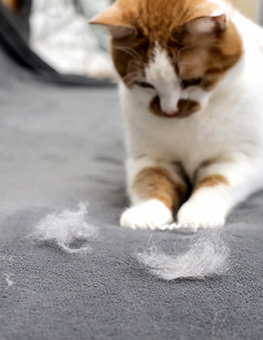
[(206, 25), (210, 16), (113, 20)]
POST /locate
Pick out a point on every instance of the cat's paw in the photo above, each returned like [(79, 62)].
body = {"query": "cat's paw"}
[(194, 215), (151, 214)]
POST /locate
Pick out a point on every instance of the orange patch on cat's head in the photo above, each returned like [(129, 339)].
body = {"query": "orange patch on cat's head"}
[(155, 18), (198, 36)]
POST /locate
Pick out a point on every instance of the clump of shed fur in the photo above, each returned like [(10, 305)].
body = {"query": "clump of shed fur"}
[(207, 256), (65, 227)]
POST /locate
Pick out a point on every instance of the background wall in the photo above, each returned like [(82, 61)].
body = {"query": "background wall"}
[(251, 8)]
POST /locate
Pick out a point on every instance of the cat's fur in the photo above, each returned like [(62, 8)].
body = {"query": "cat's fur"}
[(191, 86)]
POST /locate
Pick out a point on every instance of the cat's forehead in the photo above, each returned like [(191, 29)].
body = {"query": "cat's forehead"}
[(153, 13), (159, 19)]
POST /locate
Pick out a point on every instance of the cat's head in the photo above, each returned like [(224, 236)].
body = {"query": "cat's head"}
[(174, 50)]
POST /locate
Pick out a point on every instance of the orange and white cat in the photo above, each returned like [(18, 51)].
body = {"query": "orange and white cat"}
[(191, 87)]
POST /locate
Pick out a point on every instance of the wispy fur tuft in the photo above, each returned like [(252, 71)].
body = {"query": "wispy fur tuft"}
[(207, 256), (63, 228)]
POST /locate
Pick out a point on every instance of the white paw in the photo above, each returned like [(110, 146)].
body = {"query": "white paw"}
[(151, 214), (195, 215)]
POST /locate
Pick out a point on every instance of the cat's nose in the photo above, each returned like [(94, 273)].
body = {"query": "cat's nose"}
[(169, 103), (155, 108)]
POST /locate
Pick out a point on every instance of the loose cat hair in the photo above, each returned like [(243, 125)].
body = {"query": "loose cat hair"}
[(208, 256), (191, 79), (65, 228)]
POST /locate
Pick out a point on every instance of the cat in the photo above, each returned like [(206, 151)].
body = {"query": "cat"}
[(191, 89)]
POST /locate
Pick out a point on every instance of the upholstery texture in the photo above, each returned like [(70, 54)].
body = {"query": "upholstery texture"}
[(62, 145)]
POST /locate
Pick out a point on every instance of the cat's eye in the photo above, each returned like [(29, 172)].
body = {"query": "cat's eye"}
[(144, 84), (191, 82)]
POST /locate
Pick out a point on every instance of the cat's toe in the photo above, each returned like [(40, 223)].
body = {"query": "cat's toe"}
[(151, 214), (199, 216)]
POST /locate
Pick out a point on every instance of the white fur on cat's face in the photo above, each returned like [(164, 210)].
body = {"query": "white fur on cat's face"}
[(161, 74)]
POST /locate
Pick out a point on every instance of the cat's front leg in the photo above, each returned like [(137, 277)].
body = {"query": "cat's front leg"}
[(154, 188), (218, 188)]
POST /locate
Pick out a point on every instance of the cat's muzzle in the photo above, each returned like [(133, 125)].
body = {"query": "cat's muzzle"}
[(185, 108)]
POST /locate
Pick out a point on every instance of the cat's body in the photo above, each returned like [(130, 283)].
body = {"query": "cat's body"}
[(193, 107)]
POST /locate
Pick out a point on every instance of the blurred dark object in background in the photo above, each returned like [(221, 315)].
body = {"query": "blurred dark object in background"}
[(14, 41), (14, 5), (61, 36), (20, 9)]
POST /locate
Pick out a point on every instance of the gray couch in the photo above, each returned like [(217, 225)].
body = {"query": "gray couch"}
[(61, 145)]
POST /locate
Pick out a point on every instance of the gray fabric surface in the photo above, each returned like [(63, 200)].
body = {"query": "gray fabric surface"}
[(59, 146)]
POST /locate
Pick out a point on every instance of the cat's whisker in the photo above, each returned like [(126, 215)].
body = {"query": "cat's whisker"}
[(185, 63), (131, 81), (131, 74), (136, 55), (131, 62), (182, 50), (178, 55), (131, 53), (131, 77), (171, 51)]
